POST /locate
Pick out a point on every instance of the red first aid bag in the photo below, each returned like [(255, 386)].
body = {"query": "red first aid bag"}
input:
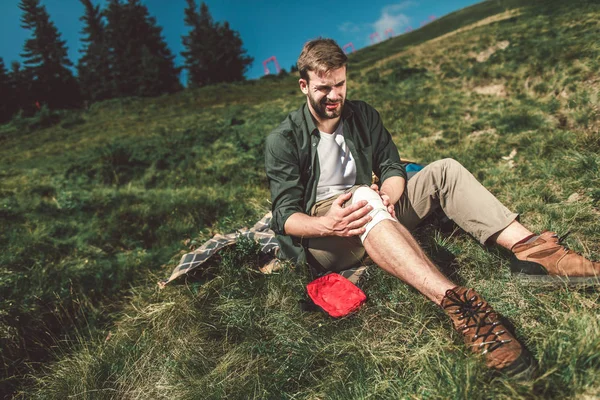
[(336, 295)]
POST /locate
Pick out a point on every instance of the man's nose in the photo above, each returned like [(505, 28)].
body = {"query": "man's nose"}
[(335, 94)]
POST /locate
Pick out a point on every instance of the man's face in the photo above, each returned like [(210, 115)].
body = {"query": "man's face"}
[(325, 92)]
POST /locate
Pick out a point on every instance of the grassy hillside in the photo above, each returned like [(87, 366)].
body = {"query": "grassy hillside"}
[(97, 206)]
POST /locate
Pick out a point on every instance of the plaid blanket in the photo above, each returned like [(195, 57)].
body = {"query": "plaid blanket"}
[(260, 233)]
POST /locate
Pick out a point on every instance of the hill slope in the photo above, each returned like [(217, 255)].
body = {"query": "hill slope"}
[(103, 202)]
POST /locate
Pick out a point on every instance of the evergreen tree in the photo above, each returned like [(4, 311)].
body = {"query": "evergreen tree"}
[(7, 95), (118, 31), (140, 61), (193, 43), (46, 59), (213, 52), (93, 67), (232, 59), (162, 71), (21, 83)]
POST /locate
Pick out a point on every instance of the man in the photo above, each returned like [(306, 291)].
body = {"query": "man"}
[(319, 164)]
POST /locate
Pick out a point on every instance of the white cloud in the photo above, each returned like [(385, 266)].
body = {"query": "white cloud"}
[(391, 18), (349, 27), (395, 21), (396, 8)]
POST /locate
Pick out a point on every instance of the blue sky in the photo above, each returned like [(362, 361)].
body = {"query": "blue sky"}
[(267, 27)]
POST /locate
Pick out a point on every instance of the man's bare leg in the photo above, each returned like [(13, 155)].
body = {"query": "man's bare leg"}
[(392, 248), (511, 235)]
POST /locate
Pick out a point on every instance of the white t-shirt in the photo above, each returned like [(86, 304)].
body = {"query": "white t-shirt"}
[(338, 169)]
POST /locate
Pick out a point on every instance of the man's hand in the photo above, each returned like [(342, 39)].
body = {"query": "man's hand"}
[(386, 201), (350, 220)]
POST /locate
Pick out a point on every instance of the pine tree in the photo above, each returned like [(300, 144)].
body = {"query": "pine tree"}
[(7, 95), (191, 64), (199, 52), (232, 58), (21, 83), (163, 72), (93, 67), (122, 54), (46, 59), (140, 61), (213, 52)]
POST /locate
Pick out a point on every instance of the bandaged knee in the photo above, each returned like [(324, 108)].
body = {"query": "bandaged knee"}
[(379, 211)]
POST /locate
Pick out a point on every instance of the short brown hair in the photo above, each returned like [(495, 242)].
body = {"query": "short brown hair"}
[(320, 55)]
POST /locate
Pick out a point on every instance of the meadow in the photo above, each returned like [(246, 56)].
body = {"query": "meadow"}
[(98, 205)]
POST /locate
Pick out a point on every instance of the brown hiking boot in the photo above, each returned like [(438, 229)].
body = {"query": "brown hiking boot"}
[(485, 333), (547, 260)]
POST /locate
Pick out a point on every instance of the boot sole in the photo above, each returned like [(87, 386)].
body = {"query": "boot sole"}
[(532, 272), (558, 280), (523, 369)]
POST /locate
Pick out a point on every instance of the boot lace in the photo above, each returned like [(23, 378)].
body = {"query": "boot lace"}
[(474, 313), (560, 239), (563, 237)]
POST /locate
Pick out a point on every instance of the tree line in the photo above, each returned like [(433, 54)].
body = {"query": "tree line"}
[(123, 54)]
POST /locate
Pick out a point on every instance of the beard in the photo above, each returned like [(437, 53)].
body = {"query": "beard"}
[(320, 107)]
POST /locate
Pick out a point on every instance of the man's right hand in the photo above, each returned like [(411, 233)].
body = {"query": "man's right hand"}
[(350, 220), (385, 199)]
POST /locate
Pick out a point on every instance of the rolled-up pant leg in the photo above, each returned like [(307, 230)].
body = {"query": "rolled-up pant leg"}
[(447, 184)]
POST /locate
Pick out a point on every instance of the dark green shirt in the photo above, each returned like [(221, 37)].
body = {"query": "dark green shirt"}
[(292, 163)]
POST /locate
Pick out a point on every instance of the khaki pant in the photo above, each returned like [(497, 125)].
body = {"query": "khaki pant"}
[(444, 183)]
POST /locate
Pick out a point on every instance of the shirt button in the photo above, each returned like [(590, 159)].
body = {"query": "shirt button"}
[(314, 144)]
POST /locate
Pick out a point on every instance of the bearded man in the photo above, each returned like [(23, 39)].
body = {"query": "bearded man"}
[(319, 163)]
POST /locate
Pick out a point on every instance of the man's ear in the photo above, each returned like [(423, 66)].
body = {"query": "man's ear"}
[(303, 85)]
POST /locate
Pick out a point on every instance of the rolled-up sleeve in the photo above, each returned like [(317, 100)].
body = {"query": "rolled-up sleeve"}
[(386, 160), (283, 174)]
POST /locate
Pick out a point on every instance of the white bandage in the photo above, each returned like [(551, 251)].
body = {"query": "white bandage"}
[(379, 211)]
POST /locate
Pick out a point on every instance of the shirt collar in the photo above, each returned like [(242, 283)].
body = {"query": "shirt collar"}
[(310, 122)]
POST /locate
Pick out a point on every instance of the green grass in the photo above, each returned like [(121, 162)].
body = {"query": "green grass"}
[(99, 205)]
